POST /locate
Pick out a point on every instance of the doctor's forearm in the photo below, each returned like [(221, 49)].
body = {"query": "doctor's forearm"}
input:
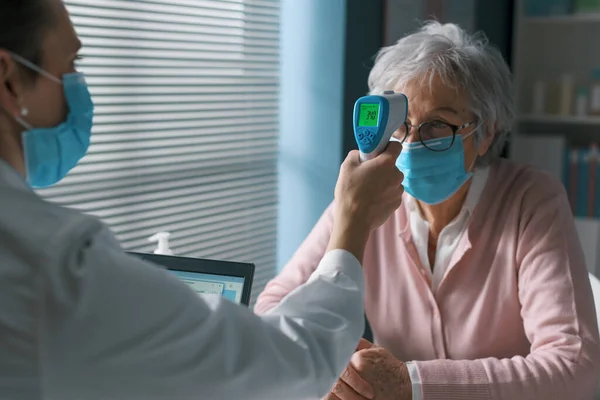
[(325, 318), (349, 236)]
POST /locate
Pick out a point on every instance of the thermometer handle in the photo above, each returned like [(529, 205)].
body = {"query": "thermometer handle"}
[(366, 157)]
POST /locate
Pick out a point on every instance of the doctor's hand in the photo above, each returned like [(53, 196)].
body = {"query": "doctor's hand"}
[(366, 195), (373, 374), (369, 192)]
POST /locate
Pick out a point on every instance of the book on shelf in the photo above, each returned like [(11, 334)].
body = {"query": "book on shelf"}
[(580, 177)]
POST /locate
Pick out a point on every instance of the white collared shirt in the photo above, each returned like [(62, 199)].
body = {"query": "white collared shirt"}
[(447, 242), (450, 235)]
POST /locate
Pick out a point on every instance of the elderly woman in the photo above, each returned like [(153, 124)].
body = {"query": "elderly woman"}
[(476, 286)]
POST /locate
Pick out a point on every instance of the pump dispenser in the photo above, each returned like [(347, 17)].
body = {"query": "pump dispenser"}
[(162, 238)]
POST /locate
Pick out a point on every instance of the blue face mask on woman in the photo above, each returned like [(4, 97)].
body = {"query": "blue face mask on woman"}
[(434, 176), (50, 153)]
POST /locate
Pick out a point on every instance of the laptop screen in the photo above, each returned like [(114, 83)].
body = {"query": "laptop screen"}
[(229, 279), (230, 287)]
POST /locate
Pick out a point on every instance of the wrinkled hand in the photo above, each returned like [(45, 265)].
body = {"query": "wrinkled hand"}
[(367, 193), (373, 374)]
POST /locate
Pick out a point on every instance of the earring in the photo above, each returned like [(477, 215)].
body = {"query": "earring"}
[(24, 111)]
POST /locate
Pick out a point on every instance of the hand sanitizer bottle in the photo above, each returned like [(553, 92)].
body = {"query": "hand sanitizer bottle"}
[(162, 238)]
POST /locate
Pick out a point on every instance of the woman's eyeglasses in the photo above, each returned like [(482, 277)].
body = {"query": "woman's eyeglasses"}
[(430, 131)]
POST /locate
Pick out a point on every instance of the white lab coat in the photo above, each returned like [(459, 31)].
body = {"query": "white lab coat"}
[(81, 320)]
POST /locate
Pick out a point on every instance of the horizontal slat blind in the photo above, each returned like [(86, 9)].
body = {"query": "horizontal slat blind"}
[(186, 126)]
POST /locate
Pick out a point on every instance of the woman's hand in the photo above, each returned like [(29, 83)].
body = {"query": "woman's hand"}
[(366, 195), (373, 374)]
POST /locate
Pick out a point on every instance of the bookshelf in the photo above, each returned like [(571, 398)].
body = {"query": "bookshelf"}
[(558, 119), (564, 19), (546, 49)]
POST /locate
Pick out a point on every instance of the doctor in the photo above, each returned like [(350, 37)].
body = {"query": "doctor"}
[(79, 319)]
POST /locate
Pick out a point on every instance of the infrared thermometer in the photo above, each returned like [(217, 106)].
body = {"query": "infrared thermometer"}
[(376, 118)]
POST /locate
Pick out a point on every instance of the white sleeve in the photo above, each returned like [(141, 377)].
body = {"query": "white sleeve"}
[(115, 327), (415, 380)]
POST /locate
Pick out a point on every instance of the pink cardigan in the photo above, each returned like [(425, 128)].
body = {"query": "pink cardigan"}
[(514, 316)]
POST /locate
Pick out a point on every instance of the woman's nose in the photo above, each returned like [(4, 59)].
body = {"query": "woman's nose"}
[(411, 138), (406, 134), (399, 134)]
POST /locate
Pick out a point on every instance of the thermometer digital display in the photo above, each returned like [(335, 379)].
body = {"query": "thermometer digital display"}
[(368, 114)]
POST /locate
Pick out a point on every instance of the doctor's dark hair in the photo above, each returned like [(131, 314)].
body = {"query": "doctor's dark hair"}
[(23, 25)]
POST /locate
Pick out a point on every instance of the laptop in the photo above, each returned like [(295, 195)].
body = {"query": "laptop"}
[(231, 280)]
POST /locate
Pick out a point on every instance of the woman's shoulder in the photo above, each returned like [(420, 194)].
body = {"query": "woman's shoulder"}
[(523, 181)]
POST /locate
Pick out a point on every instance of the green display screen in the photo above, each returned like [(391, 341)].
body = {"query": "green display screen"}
[(368, 114)]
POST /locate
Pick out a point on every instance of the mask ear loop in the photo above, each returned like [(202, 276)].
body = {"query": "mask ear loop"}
[(470, 169), (473, 164), (34, 67), (24, 123)]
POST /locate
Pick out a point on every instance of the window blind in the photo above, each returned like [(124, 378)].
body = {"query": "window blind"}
[(186, 125)]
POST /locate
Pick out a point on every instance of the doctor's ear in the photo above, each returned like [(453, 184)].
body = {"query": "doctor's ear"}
[(12, 84)]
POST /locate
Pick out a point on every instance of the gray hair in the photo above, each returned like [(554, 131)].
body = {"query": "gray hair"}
[(462, 61)]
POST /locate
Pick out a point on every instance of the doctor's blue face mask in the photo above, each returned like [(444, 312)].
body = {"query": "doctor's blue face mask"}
[(433, 173), (50, 153)]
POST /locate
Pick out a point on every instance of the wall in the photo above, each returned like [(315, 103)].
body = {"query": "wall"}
[(312, 78), (364, 37), (495, 18), (404, 16)]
